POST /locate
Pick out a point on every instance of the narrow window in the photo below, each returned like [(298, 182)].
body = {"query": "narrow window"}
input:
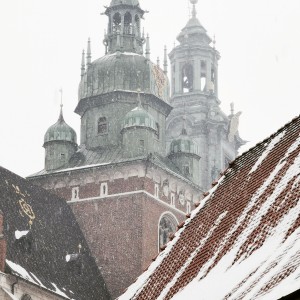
[(203, 76), (62, 156), (173, 199), (188, 207), (138, 25), (127, 23), (142, 143), (186, 170), (116, 22), (156, 191), (102, 125), (157, 130), (75, 193), (103, 189)]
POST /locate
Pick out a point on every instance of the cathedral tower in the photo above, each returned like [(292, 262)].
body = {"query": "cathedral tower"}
[(194, 81), (127, 193)]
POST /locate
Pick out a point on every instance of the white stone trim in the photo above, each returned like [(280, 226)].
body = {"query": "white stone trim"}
[(127, 194)]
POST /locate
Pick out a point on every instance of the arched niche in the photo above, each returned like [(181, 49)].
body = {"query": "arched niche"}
[(166, 226)]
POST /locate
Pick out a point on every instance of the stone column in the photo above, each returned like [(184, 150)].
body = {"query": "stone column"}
[(197, 75), (178, 82), (208, 74)]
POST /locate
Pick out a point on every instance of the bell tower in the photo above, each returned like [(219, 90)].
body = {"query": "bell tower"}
[(194, 91), (124, 27), (194, 63)]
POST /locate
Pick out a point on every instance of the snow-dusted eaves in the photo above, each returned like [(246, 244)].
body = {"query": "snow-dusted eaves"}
[(30, 277), (243, 242)]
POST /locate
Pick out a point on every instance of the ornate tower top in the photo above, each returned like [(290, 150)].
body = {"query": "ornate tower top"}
[(124, 27)]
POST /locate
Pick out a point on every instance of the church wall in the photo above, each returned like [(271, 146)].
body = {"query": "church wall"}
[(114, 113), (114, 233), (122, 226), (152, 212)]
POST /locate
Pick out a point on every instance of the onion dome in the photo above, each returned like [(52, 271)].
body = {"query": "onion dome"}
[(194, 32), (139, 117), (184, 144), (125, 72), (60, 131)]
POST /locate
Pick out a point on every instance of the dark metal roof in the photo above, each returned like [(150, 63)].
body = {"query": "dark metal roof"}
[(47, 232)]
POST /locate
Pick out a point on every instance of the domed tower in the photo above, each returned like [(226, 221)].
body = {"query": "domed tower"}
[(184, 152), (60, 143), (110, 85), (194, 81), (140, 133)]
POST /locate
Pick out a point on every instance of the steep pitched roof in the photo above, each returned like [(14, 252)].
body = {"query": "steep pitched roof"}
[(243, 241), (41, 230)]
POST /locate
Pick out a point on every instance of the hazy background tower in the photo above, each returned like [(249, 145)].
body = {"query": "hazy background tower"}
[(194, 92)]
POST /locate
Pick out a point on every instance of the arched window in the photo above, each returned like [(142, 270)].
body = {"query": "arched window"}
[(127, 23), (167, 226), (102, 125), (116, 22), (157, 130), (138, 25), (187, 78)]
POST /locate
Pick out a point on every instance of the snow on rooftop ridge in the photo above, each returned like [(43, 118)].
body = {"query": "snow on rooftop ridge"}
[(263, 257), (256, 197), (269, 148), (247, 275), (144, 278)]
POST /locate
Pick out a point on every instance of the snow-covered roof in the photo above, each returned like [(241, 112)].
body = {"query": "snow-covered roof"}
[(40, 229), (243, 241)]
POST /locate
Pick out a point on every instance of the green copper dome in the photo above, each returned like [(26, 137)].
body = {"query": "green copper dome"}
[(126, 72), (60, 131), (183, 144), (126, 2), (139, 117)]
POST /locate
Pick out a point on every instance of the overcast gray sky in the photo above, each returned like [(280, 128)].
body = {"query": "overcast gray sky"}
[(42, 40)]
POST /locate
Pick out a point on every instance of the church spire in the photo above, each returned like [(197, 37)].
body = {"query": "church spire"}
[(194, 12), (148, 47), (89, 53), (165, 61), (61, 117), (82, 64)]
